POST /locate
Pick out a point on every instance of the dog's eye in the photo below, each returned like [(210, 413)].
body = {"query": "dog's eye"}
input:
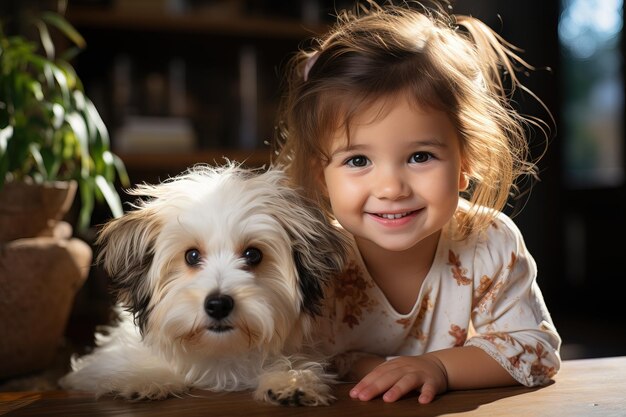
[(192, 257), (252, 256)]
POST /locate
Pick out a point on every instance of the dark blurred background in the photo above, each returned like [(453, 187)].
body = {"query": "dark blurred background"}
[(185, 81)]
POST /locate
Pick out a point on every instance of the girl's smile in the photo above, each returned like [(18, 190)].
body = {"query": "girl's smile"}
[(394, 219)]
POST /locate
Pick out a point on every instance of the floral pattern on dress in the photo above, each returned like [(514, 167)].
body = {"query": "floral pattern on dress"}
[(458, 272), (483, 286), (499, 338), (351, 288), (525, 357), (416, 330), (490, 295), (513, 261), (405, 322), (538, 369), (459, 334), (532, 358), (485, 303)]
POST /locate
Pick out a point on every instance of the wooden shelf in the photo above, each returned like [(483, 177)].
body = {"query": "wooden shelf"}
[(127, 47), (177, 162), (203, 22)]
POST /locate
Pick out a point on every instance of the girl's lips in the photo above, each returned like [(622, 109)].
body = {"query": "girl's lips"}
[(394, 219)]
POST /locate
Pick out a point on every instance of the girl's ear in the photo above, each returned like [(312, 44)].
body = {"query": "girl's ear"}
[(463, 181), (464, 177)]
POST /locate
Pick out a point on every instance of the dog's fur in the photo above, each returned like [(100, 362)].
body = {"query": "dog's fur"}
[(218, 273)]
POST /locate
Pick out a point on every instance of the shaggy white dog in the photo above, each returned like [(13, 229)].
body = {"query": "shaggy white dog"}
[(218, 273)]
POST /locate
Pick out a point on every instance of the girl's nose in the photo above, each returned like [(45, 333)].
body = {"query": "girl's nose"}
[(391, 185)]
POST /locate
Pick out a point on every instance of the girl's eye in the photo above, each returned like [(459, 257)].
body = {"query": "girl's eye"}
[(420, 157), (252, 256), (192, 257), (358, 161)]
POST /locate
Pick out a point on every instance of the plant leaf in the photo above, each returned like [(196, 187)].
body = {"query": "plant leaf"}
[(33, 148), (62, 81), (64, 26), (5, 134), (58, 115), (94, 116), (46, 40), (121, 170), (86, 187), (80, 132), (110, 195)]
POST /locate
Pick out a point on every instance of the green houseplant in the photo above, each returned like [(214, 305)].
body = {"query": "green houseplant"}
[(52, 139), (49, 129)]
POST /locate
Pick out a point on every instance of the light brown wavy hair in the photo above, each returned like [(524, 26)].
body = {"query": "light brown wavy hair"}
[(447, 62)]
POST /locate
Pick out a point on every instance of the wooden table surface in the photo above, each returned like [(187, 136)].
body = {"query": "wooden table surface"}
[(583, 388)]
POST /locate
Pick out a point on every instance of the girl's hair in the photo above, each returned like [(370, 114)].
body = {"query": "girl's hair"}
[(452, 63)]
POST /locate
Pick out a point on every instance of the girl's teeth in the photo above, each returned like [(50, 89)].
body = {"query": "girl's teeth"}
[(393, 216)]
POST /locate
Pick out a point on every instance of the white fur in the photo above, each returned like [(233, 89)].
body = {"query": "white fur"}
[(166, 342)]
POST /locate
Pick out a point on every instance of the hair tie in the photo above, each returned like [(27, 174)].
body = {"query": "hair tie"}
[(309, 64)]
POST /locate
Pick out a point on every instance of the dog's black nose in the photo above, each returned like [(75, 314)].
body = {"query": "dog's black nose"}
[(218, 306)]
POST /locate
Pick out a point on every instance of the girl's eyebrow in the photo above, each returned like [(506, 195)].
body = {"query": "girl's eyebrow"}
[(428, 142), (431, 141), (352, 148), (348, 148)]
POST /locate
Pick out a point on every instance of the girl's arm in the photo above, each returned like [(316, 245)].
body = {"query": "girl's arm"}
[(469, 367), (432, 373)]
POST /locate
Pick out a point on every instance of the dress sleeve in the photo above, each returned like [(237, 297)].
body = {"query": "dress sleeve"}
[(510, 319)]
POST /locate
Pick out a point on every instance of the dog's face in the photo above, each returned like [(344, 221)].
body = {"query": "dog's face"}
[(221, 260)]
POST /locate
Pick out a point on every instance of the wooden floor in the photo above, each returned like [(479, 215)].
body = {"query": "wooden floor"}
[(589, 388), (583, 388)]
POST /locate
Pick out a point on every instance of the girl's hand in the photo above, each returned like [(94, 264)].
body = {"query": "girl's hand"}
[(401, 375)]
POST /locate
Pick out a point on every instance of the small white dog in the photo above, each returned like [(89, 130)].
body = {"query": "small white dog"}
[(218, 273)]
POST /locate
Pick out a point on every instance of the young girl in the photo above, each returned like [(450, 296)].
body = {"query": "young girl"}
[(398, 122)]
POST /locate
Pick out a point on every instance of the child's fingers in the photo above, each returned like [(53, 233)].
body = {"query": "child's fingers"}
[(394, 383), (404, 385), (397, 387), (427, 393), (396, 378), (368, 380), (366, 392), (375, 383), (408, 383)]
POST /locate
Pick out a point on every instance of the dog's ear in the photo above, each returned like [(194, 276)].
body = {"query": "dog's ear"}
[(126, 252), (320, 249)]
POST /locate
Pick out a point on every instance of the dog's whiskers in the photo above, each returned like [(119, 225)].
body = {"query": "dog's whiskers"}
[(191, 337), (251, 335)]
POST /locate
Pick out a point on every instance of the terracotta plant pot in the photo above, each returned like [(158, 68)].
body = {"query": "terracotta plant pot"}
[(30, 210), (39, 275)]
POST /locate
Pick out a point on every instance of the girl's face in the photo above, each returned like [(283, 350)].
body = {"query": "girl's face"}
[(399, 179)]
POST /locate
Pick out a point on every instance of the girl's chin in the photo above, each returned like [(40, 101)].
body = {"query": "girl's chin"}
[(390, 244)]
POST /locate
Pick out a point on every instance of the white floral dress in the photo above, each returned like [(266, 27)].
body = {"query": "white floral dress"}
[(480, 291)]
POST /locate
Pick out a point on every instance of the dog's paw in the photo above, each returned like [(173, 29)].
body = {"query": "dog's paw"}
[(297, 397), (294, 388)]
